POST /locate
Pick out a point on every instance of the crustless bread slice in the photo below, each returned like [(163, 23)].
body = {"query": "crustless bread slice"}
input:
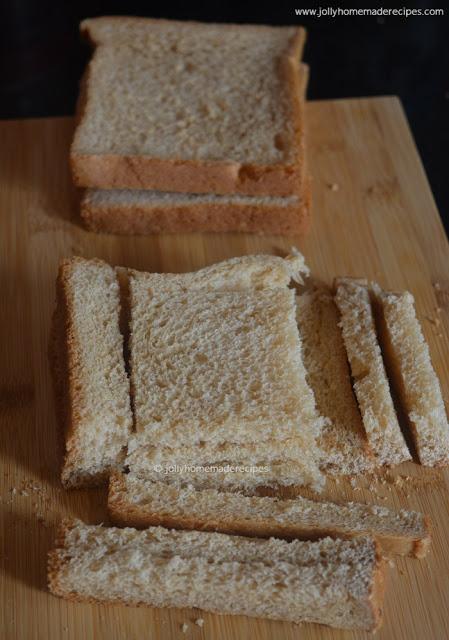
[(343, 441), (89, 369), (190, 107), (214, 361), (139, 503), (368, 372), (408, 362), (332, 582)]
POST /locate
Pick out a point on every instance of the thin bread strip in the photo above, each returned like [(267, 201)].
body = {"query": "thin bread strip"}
[(334, 582), (411, 371), (141, 212), (343, 440), (91, 371), (233, 128), (245, 467), (368, 372), (138, 503), (230, 474)]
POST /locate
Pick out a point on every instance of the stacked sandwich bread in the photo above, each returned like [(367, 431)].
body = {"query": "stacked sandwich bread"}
[(171, 138), (190, 392)]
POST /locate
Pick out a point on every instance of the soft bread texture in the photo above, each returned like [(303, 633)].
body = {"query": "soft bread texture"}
[(236, 274), (138, 503), (161, 111), (140, 212), (343, 441), (410, 368), (332, 582), (93, 387), (270, 463), (232, 369), (368, 372)]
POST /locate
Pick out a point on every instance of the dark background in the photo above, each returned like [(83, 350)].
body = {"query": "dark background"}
[(42, 58)]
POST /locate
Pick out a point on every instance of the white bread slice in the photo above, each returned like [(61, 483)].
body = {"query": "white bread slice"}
[(138, 503), (214, 361), (92, 385), (411, 371), (190, 107), (343, 441), (143, 212), (333, 582), (368, 372)]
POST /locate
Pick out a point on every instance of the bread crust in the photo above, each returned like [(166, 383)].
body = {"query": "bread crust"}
[(141, 219), (115, 171), (125, 513), (57, 560), (68, 382)]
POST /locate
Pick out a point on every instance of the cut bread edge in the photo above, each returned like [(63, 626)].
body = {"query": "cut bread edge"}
[(388, 323), (353, 297), (368, 604), (66, 365), (126, 512)]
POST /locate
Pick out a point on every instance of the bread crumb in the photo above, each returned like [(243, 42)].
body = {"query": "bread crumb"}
[(184, 627), (199, 622), (333, 186)]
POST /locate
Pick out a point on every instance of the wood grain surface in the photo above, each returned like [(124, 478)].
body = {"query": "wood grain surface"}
[(374, 216)]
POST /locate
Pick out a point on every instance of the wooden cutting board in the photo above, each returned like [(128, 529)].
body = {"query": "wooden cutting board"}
[(374, 216)]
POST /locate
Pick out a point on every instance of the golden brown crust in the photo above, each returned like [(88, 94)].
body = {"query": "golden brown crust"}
[(110, 171), (124, 512), (113, 171), (68, 382), (203, 217)]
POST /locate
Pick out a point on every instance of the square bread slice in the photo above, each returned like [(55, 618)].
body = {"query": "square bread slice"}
[(141, 212), (215, 361), (133, 502), (91, 384), (334, 582), (190, 107), (411, 371), (368, 372), (343, 440)]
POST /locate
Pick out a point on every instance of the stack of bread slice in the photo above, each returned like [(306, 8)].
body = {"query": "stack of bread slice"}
[(186, 126), (190, 392)]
